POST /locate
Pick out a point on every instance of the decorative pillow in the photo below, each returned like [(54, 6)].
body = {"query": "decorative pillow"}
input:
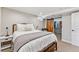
[(25, 27)]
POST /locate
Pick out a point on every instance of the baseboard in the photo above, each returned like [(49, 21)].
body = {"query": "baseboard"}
[(76, 43), (66, 41)]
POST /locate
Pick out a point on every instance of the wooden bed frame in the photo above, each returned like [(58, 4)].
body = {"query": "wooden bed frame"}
[(50, 48)]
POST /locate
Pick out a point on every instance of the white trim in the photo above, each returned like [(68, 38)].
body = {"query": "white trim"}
[(66, 41), (76, 43)]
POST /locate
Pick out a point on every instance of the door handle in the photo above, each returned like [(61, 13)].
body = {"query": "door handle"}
[(73, 30)]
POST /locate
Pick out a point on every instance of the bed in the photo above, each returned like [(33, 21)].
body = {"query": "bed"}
[(26, 40)]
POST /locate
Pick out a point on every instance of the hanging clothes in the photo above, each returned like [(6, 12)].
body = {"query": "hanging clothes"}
[(56, 24)]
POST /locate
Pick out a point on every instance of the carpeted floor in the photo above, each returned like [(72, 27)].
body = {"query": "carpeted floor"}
[(66, 47)]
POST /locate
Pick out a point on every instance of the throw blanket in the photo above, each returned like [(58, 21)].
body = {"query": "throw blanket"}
[(25, 38)]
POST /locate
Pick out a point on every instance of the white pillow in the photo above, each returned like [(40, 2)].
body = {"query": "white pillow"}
[(31, 26), (25, 27)]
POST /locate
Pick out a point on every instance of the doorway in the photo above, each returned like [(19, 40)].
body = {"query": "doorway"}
[(58, 28)]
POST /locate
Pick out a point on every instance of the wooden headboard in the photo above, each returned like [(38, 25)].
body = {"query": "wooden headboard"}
[(14, 28)]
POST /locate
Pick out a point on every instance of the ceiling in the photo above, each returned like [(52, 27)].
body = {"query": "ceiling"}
[(45, 11)]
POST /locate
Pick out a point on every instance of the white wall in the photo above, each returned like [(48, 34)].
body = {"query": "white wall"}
[(0, 20), (66, 29), (10, 17)]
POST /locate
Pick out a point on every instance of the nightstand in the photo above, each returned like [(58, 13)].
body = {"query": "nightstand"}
[(5, 42)]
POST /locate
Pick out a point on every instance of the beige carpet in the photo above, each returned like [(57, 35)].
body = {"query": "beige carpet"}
[(66, 47)]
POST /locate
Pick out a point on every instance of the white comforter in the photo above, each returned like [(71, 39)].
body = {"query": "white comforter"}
[(35, 45)]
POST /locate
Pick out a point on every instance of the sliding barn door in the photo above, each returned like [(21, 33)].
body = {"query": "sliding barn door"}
[(50, 25)]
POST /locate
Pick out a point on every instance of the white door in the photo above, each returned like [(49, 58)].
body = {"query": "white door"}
[(75, 28)]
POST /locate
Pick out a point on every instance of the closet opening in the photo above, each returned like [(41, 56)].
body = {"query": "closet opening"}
[(58, 27)]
